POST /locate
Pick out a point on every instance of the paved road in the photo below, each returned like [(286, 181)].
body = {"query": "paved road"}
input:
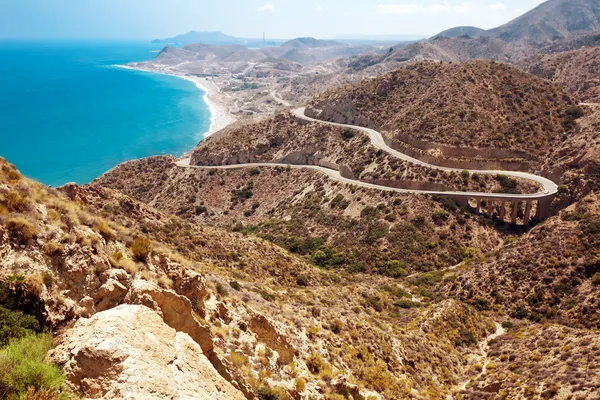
[(549, 187)]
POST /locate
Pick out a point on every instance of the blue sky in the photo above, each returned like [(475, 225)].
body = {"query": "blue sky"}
[(248, 18)]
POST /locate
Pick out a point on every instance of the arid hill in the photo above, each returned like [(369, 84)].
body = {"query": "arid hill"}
[(550, 273), (551, 20), (460, 31), (286, 139), (333, 225), (243, 314), (578, 71), (442, 48), (476, 105)]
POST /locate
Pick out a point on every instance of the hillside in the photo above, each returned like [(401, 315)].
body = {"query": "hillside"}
[(506, 112), (459, 31), (441, 48), (286, 139), (550, 274), (539, 284), (243, 314), (551, 20), (576, 70), (335, 225), (309, 42)]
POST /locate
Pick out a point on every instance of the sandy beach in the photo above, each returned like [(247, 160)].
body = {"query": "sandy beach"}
[(220, 116)]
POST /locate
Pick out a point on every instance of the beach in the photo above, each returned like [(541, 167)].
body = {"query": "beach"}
[(213, 97), (220, 116)]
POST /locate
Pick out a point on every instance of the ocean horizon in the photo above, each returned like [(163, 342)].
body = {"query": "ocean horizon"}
[(69, 113)]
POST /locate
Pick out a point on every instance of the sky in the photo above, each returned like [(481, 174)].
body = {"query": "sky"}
[(279, 19)]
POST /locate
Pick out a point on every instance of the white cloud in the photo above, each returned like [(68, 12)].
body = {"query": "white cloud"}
[(445, 7), (267, 7), (499, 6), (319, 8)]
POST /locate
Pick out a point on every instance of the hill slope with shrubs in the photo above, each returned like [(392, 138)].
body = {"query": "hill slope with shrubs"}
[(551, 273), (577, 71), (475, 105), (304, 211), (265, 319), (287, 139)]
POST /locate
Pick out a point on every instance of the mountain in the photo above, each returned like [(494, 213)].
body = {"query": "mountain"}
[(215, 38), (478, 309), (551, 20), (179, 301), (576, 70), (430, 102), (460, 31), (200, 37), (310, 43)]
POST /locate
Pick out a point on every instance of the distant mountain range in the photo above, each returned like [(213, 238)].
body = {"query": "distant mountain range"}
[(222, 39), (216, 38)]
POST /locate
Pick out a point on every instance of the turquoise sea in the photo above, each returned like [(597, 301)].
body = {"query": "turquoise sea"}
[(67, 114)]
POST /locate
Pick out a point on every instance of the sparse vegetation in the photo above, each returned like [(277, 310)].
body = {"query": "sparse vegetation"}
[(141, 248)]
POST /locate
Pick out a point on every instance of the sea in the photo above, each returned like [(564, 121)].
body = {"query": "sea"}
[(68, 113)]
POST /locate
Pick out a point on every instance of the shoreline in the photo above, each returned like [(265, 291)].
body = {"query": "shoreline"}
[(219, 112)]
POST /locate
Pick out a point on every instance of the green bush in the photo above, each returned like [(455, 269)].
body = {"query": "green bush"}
[(13, 299), (392, 268), (348, 133), (23, 366), (509, 185), (15, 324), (440, 216), (406, 303)]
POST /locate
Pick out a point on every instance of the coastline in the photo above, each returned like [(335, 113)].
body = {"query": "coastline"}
[(219, 112)]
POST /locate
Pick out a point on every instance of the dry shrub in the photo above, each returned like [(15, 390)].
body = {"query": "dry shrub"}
[(21, 230), (104, 230), (165, 282), (18, 203), (238, 359), (52, 249), (35, 284), (119, 260), (141, 248), (13, 175), (300, 385)]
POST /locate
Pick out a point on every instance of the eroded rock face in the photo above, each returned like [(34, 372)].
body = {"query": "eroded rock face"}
[(268, 334), (129, 352)]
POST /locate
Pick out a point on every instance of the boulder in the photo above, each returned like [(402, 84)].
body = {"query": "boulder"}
[(129, 352)]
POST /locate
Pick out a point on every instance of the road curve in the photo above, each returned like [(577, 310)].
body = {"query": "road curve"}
[(549, 187)]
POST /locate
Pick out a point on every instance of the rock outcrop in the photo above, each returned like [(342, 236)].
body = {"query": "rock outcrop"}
[(130, 352)]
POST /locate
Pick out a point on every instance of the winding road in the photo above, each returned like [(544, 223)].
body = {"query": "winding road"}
[(549, 188)]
